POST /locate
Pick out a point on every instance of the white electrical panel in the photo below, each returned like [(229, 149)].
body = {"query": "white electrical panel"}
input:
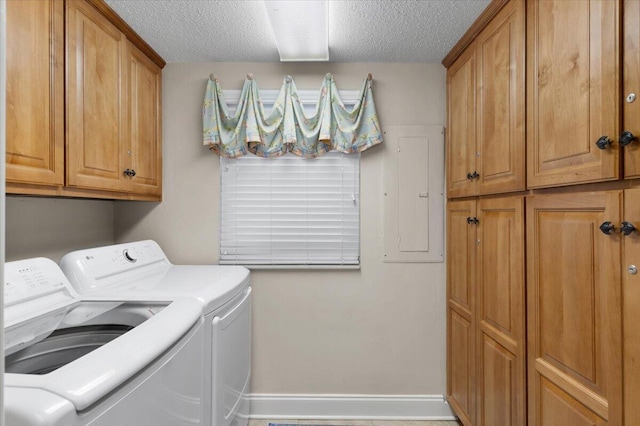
[(414, 194)]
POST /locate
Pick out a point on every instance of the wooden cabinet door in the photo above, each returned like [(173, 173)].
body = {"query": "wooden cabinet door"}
[(96, 107), (500, 299), (572, 91), (144, 151), (500, 105), (461, 132), (35, 92), (631, 85), (461, 248), (630, 309), (574, 309)]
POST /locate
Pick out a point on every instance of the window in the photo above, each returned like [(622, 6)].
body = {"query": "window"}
[(290, 210)]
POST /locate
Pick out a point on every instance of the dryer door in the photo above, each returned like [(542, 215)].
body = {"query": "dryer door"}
[(231, 350)]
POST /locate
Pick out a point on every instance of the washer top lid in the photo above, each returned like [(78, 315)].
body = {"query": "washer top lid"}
[(34, 287), (211, 285)]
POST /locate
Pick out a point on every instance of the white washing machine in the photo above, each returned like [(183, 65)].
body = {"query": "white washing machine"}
[(141, 270), (71, 362)]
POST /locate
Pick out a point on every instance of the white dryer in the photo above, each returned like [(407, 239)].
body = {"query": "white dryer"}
[(142, 270), (71, 362)]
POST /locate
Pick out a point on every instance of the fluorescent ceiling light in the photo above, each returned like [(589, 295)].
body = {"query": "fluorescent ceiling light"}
[(301, 29)]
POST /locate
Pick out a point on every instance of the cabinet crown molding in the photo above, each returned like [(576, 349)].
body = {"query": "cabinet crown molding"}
[(485, 17), (131, 35)]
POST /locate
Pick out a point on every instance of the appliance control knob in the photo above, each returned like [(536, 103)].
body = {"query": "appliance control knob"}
[(128, 256)]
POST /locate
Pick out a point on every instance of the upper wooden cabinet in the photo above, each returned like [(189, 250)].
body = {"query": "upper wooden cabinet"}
[(96, 100), (35, 92), (573, 94), (461, 127), (631, 88), (485, 89), (112, 145), (144, 148), (500, 103)]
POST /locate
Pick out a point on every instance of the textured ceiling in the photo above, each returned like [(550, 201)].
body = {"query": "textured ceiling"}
[(359, 30)]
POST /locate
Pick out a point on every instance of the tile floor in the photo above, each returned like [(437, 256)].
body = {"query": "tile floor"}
[(358, 422)]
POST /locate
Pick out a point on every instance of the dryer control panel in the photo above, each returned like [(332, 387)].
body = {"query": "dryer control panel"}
[(105, 267)]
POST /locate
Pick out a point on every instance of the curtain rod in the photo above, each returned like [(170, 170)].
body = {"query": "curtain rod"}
[(213, 77)]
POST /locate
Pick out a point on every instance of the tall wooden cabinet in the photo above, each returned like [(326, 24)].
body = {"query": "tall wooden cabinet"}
[(97, 133), (582, 345), (500, 299), (461, 309), (35, 92), (574, 308), (485, 253), (485, 311), (485, 91), (630, 304)]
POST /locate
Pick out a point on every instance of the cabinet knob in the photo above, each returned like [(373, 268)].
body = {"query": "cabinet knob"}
[(626, 138), (473, 220), (627, 228), (129, 172), (133, 173), (472, 176), (603, 143), (607, 227)]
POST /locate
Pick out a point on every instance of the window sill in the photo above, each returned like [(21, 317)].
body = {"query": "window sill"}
[(300, 267)]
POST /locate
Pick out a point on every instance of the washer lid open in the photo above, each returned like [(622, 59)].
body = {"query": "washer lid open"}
[(34, 288), (39, 299)]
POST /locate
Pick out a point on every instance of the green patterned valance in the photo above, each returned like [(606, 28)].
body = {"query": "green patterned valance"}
[(286, 128)]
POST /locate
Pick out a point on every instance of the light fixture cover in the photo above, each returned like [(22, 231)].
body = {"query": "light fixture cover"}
[(301, 29)]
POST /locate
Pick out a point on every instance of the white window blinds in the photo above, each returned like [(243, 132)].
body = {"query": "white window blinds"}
[(290, 210)]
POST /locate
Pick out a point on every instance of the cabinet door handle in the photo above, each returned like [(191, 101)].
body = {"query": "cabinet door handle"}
[(603, 143), (473, 220), (607, 227), (472, 176), (627, 228), (626, 138)]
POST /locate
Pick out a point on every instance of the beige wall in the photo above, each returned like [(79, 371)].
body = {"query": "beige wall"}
[(52, 227), (379, 330)]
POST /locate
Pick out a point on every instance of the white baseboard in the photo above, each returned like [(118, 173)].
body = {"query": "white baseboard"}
[(365, 407)]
